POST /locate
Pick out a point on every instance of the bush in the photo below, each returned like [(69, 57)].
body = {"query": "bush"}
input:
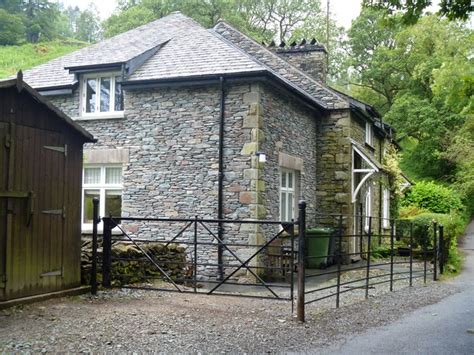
[(454, 225), (411, 211), (433, 197)]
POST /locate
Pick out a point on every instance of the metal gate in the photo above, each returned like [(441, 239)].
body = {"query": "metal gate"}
[(267, 263)]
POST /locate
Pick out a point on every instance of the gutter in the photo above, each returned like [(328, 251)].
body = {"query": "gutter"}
[(209, 79)]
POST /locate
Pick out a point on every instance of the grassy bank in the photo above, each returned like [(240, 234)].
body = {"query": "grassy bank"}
[(14, 58)]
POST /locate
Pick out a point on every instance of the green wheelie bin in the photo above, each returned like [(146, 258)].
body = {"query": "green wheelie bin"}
[(317, 246)]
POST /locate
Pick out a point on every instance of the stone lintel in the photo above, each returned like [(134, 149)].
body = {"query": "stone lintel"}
[(106, 156), (290, 162)]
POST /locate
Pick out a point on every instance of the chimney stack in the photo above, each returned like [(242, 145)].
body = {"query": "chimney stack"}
[(310, 57)]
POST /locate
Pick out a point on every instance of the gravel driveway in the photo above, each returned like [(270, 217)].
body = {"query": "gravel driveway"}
[(139, 321)]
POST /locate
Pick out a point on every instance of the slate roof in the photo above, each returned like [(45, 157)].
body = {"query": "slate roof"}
[(323, 94), (193, 51), (179, 48), (187, 49)]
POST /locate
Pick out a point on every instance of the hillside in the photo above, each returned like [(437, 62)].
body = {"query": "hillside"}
[(14, 58)]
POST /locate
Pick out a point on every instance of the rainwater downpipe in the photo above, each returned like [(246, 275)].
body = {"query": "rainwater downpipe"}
[(220, 193)]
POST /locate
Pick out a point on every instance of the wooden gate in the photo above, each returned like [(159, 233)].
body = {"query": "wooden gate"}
[(32, 210)]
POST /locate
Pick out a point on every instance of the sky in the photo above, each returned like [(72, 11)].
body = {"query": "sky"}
[(344, 10)]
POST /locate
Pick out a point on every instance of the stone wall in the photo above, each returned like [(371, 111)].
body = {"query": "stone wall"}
[(377, 180), (290, 131), (135, 267)]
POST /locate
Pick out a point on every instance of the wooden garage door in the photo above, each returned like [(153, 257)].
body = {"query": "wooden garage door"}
[(35, 217)]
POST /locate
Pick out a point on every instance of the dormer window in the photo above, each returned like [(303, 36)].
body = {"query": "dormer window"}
[(369, 134), (101, 95)]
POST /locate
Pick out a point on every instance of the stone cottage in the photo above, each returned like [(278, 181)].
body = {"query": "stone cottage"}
[(194, 121)]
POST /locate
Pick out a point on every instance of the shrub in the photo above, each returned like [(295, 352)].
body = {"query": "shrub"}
[(411, 211), (454, 225), (423, 228), (433, 197)]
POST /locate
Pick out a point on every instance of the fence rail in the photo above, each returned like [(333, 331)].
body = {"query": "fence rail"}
[(200, 269), (416, 257), (278, 265)]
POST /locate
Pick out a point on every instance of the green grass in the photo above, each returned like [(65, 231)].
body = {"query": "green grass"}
[(14, 58)]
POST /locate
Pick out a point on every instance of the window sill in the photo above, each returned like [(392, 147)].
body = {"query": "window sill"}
[(108, 116), (370, 147), (88, 231)]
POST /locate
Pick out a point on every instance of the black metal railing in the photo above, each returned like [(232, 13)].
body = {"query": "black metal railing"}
[(395, 253), (275, 258)]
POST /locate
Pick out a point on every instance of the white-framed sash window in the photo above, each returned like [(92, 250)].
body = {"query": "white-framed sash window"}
[(101, 95), (105, 183), (368, 207), (287, 194), (369, 133)]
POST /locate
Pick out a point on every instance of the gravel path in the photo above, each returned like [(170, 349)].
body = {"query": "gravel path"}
[(139, 321)]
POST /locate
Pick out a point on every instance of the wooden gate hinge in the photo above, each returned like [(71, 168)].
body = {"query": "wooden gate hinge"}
[(60, 149), (8, 141)]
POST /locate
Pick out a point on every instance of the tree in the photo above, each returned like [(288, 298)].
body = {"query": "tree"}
[(413, 9), (87, 25), (127, 20), (12, 29), (40, 17), (420, 77)]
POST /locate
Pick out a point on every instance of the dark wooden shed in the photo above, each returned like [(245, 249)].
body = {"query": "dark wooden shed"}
[(40, 194)]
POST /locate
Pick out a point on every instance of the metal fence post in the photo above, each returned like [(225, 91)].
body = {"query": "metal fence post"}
[(339, 261), (301, 259), (392, 252), (425, 249), (411, 254), (435, 251), (95, 222), (106, 256), (195, 255), (292, 267), (369, 242), (442, 250)]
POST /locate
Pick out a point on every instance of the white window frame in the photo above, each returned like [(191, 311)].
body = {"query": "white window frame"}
[(386, 208), (285, 190), (102, 187), (369, 133), (368, 207), (83, 102)]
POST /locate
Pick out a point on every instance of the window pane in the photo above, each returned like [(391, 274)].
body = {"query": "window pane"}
[(118, 95), (290, 180), (88, 196), (291, 206), (283, 207), (105, 94), (91, 90), (113, 203), (92, 176), (113, 175), (283, 179)]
